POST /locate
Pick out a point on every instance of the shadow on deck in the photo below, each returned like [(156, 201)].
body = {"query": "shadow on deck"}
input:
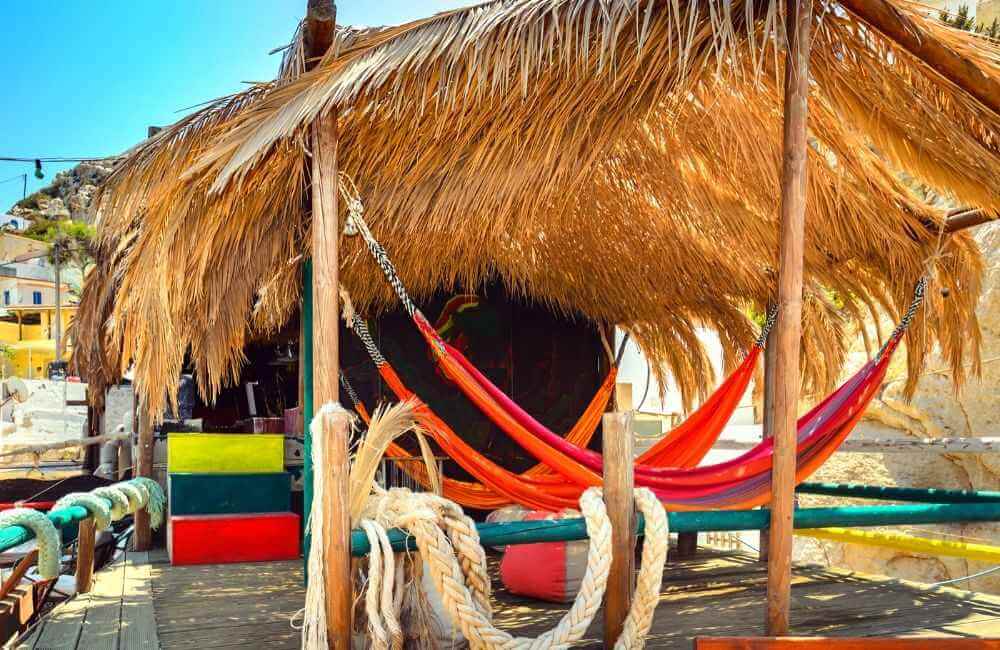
[(146, 603)]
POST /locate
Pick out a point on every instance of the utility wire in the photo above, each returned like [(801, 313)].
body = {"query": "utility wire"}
[(55, 159)]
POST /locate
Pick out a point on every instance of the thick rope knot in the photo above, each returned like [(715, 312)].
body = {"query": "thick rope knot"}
[(96, 506), (46, 535), (449, 543)]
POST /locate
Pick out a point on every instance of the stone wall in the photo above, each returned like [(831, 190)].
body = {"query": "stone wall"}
[(936, 411)]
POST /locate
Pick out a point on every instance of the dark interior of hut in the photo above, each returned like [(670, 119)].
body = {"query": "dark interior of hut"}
[(551, 364)]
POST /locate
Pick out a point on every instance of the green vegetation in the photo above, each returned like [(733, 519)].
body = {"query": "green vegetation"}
[(72, 241), (962, 20)]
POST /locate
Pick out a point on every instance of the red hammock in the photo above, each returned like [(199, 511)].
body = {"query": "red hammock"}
[(740, 483), (743, 482), (684, 446)]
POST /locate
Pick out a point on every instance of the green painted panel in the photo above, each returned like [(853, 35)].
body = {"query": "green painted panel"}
[(221, 494)]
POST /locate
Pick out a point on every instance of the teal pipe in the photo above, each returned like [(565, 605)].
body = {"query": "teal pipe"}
[(918, 495), (567, 530), (12, 536), (307, 403)]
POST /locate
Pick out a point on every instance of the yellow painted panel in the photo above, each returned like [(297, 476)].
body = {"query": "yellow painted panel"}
[(225, 453)]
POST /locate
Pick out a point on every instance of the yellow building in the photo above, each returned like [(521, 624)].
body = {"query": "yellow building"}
[(28, 306)]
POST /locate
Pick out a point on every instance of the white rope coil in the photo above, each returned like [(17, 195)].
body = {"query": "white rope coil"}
[(96, 506), (46, 535), (449, 542), (137, 495), (119, 502), (156, 500)]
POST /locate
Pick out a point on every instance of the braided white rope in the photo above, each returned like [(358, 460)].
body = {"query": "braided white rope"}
[(136, 495), (46, 535), (96, 506), (119, 502), (654, 556), (156, 500), (450, 543)]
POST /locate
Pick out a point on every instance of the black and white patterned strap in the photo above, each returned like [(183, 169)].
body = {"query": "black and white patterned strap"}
[(381, 257), (772, 317), (919, 293), (360, 328), (346, 385)]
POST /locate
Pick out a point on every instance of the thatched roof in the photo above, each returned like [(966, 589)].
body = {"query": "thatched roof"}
[(616, 160)]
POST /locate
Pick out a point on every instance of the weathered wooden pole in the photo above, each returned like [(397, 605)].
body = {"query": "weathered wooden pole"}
[(887, 18), (619, 496), (85, 543), (789, 326), (326, 321), (143, 537), (326, 355), (770, 359)]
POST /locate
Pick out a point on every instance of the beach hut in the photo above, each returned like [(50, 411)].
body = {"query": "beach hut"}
[(657, 166)]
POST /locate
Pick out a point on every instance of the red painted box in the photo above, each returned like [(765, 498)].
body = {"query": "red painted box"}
[(228, 539)]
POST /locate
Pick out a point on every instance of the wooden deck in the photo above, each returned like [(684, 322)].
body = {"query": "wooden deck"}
[(146, 603)]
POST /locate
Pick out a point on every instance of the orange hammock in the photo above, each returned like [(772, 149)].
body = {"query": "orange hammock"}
[(740, 483), (743, 482), (684, 446)]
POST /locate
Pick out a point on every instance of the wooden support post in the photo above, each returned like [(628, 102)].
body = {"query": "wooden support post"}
[(770, 359), (85, 543), (326, 323), (143, 536), (687, 544), (789, 326), (619, 496), (20, 569)]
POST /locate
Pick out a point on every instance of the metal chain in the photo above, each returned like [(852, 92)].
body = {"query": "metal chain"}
[(355, 210), (349, 389), (919, 292), (360, 328), (772, 317)]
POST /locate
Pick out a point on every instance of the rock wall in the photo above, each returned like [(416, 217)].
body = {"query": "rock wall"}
[(936, 411), (69, 196)]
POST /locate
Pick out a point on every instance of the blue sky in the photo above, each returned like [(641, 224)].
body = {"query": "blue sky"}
[(83, 78)]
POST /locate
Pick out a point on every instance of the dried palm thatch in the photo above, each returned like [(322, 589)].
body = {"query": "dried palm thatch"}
[(617, 161)]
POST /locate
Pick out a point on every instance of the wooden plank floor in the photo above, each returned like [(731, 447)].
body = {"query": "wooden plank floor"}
[(228, 605), (119, 606), (714, 594), (723, 594)]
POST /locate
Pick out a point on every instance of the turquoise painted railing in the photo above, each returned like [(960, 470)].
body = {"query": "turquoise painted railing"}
[(564, 530), (920, 495)]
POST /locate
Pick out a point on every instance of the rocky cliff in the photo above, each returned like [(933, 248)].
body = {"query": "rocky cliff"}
[(936, 411), (69, 196)]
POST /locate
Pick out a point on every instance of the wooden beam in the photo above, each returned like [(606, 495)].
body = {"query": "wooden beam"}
[(794, 186), (961, 219), (85, 543), (619, 496), (143, 536), (886, 18)]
